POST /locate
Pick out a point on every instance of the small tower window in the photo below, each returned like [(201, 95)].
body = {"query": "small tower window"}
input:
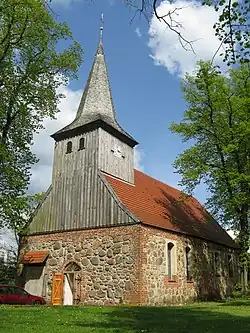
[(81, 144), (188, 263), (69, 147)]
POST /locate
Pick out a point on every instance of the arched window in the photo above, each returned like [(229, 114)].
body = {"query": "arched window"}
[(81, 144), (188, 263), (217, 263), (170, 260), (69, 147)]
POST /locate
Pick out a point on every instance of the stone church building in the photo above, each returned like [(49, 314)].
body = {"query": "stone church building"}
[(107, 233)]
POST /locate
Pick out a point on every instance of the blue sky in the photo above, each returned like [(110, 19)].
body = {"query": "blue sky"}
[(145, 64)]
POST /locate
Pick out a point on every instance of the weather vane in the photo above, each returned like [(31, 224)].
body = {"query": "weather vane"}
[(102, 23)]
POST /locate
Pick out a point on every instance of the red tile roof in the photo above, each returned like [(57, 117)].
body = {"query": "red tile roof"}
[(35, 257), (157, 204)]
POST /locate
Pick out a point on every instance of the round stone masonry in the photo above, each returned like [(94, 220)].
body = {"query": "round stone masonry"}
[(107, 265)]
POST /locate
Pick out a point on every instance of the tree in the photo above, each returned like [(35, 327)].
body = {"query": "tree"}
[(21, 213), (232, 28), (8, 267), (7, 271), (19, 216), (217, 122), (32, 67)]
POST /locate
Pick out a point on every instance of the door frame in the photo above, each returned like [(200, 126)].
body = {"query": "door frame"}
[(73, 269)]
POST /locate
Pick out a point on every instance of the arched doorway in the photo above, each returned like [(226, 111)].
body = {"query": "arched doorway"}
[(72, 284)]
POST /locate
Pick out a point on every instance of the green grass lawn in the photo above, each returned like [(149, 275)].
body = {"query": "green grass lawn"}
[(233, 316)]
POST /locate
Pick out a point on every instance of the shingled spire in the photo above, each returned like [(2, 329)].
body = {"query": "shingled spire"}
[(96, 106)]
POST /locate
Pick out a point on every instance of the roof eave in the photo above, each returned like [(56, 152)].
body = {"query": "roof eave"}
[(233, 245), (61, 135)]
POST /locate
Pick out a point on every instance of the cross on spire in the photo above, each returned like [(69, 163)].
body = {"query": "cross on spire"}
[(102, 25), (96, 103)]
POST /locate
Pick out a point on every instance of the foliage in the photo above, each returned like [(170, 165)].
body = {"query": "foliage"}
[(32, 67), (238, 292), (217, 122), (20, 214), (195, 318), (7, 272), (8, 268), (232, 29)]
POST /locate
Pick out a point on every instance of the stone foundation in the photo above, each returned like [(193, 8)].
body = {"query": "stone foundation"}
[(128, 265), (107, 258), (205, 283)]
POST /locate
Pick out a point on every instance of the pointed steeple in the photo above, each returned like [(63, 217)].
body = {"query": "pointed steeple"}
[(96, 105)]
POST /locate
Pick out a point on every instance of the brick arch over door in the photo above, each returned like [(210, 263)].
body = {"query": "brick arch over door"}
[(72, 284), (71, 266)]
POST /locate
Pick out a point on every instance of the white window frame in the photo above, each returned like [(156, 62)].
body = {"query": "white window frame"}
[(185, 261), (173, 258)]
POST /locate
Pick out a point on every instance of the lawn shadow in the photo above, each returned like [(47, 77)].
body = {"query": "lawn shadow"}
[(195, 319), (238, 303)]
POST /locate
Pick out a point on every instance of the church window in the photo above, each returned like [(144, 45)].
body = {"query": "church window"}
[(230, 265), (69, 147), (81, 144), (188, 263), (170, 260), (217, 263)]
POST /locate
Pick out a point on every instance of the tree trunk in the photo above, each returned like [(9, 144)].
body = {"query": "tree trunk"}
[(245, 279), (244, 247)]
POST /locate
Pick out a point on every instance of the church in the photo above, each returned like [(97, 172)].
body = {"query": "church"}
[(108, 234)]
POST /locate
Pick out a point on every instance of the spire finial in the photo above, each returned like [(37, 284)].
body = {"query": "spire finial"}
[(101, 26)]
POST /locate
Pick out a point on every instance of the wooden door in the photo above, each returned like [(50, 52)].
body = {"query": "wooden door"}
[(57, 289)]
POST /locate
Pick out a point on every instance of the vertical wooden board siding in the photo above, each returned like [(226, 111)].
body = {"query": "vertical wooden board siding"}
[(79, 198), (115, 217), (94, 198), (108, 162), (40, 220), (102, 195), (81, 202), (59, 186)]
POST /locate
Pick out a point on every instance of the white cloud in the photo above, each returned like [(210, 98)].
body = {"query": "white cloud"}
[(7, 239), (65, 3), (232, 233), (138, 158), (196, 24), (138, 32), (44, 145), (111, 2)]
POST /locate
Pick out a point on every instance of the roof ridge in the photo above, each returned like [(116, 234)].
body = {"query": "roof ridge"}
[(117, 178), (154, 203)]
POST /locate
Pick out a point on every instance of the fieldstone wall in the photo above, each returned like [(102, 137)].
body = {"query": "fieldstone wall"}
[(205, 283), (128, 265), (107, 258)]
